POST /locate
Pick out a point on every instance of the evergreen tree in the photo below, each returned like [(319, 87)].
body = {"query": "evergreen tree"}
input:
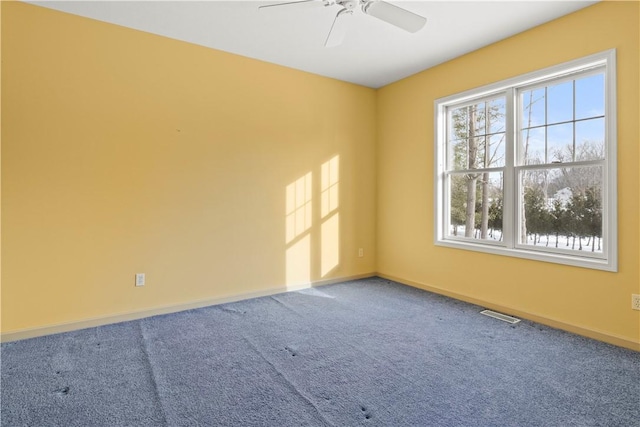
[(593, 215), (557, 218), (495, 215)]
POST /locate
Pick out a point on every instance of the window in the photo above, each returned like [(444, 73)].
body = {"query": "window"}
[(527, 167)]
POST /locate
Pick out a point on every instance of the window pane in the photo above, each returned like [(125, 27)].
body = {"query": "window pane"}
[(496, 150), (467, 154), (475, 205), (477, 116), (559, 140), (562, 208), (560, 102), (590, 96), (533, 102), (476, 153), (458, 155), (469, 130), (497, 115), (590, 139), (533, 146), (458, 123)]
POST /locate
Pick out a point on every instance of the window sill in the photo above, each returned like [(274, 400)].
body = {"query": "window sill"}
[(575, 261)]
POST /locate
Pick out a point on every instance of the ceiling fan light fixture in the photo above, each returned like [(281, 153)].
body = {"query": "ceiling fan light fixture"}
[(394, 15)]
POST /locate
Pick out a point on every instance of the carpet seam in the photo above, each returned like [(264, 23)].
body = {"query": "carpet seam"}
[(154, 381), (285, 305), (292, 386)]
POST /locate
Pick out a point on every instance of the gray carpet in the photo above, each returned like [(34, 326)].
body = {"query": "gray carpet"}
[(362, 353)]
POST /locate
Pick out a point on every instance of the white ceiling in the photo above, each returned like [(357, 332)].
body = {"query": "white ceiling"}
[(373, 53)]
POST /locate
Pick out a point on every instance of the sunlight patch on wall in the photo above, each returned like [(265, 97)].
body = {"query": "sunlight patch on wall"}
[(298, 222), (330, 244), (329, 197), (298, 261), (298, 207), (312, 252), (329, 202)]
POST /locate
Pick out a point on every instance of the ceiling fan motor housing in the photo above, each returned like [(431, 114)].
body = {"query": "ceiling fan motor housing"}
[(349, 4)]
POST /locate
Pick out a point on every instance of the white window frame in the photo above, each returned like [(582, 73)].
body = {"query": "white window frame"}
[(608, 260)]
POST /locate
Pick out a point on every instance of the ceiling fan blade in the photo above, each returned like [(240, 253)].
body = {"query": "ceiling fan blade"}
[(286, 3), (338, 28), (394, 15)]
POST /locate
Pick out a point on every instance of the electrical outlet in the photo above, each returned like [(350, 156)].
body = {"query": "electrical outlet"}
[(360, 252), (635, 301), (139, 279)]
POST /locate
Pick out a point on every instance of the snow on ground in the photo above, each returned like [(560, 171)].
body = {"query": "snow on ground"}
[(564, 242)]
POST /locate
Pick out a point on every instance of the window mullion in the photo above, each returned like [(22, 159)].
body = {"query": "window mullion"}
[(509, 201)]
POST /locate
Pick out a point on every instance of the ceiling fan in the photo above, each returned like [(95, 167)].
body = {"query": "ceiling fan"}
[(382, 10)]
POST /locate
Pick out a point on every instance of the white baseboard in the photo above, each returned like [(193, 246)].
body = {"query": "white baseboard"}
[(123, 317), (554, 323)]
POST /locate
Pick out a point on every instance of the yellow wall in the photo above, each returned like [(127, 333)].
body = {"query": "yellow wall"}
[(125, 152), (587, 301)]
